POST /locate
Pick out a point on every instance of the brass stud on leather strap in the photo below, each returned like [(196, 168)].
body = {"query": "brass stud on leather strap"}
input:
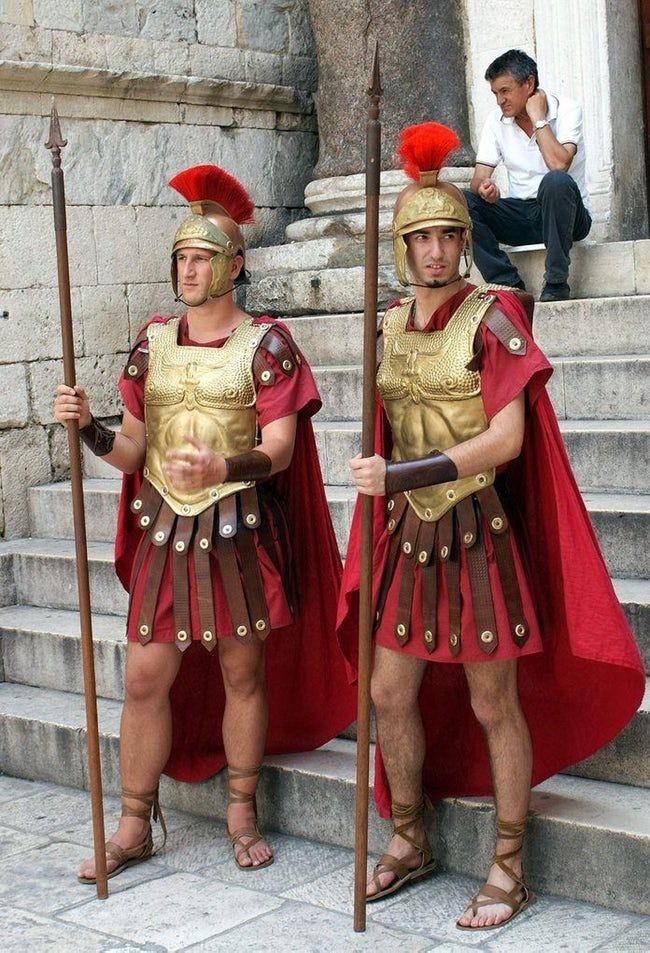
[(208, 636), (227, 529), (407, 547), (514, 344), (136, 505), (265, 376), (422, 557), (401, 629), (444, 552), (487, 636), (428, 636), (251, 519), (144, 630), (181, 635), (179, 546), (145, 472), (497, 523), (144, 521), (242, 630), (391, 525), (204, 543), (451, 494), (467, 538), (287, 365), (390, 505), (133, 369), (520, 629), (160, 536), (260, 625), (453, 640)]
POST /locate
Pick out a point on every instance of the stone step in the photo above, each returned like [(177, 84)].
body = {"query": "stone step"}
[(40, 647), (587, 839), (589, 327), (604, 454), (621, 522), (324, 274), (593, 388)]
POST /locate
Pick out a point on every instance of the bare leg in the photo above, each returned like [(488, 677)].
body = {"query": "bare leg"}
[(395, 687), (495, 701), (245, 722), (145, 733)]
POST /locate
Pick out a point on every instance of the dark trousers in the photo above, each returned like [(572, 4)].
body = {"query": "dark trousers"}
[(557, 217)]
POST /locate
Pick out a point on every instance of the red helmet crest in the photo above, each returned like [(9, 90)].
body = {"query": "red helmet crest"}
[(425, 147), (209, 183)]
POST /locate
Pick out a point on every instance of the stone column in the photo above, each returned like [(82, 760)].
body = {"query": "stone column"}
[(422, 68)]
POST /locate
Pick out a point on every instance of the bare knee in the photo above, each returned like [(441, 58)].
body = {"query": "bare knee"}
[(242, 679), (143, 685), (492, 706), (388, 697)]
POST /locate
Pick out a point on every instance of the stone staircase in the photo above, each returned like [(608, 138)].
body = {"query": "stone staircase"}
[(590, 833)]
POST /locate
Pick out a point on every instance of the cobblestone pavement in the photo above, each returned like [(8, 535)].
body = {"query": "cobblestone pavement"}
[(192, 897)]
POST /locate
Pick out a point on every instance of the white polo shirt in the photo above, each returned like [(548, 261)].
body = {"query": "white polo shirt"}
[(502, 140)]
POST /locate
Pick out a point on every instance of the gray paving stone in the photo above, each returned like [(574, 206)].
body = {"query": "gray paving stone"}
[(43, 880), (13, 788), (634, 940), (14, 842), (309, 929), (297, 862), (24, 931), (152, 913)]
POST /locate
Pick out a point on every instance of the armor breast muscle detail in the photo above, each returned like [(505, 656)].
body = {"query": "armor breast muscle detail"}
[(432, 399), (207, 393)]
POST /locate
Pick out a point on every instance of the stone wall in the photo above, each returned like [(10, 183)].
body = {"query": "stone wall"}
[(143, 90)]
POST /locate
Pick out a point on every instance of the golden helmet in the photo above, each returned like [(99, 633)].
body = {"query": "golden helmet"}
[(422, 151), (219, 205)]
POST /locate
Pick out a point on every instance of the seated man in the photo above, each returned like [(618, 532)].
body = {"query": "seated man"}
[(538, 137)]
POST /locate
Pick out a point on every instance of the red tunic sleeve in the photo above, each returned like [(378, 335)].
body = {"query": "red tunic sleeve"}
[(505, 375), (296, 394), (132, 391)]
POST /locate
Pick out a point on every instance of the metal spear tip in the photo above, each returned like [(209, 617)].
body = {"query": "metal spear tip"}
[(374, 82), (56, 140)]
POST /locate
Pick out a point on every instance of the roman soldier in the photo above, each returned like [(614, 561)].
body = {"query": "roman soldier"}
[(501, 652), (224, 539)]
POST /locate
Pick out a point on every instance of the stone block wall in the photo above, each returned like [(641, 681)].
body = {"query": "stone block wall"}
[(143, 90)]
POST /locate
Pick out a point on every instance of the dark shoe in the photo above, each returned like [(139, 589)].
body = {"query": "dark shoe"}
[(558, 292)]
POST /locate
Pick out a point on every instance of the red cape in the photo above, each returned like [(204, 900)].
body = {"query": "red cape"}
[(587, 684), (310, 698)]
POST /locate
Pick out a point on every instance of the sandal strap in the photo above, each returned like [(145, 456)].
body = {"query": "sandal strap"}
[(494, 895), (410, 814), (236, 795), (151, 811)]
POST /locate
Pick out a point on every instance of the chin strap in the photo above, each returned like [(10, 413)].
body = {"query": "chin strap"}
[(208, 298)]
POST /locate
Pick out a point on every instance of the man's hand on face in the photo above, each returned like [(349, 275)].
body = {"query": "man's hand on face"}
[(536, 105), (489, 191)]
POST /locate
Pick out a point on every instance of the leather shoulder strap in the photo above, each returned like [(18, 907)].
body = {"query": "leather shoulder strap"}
[(281, 346)]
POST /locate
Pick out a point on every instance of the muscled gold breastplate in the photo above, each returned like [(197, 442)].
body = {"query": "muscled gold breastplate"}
[(204, 392), (432, 400)]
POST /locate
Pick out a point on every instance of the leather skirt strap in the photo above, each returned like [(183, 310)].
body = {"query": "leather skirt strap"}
[(253, 584), (203, 576), (501, 541), (447, 551), (479, 579), (180, 581)]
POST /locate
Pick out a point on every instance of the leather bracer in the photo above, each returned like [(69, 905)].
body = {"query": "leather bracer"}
[(435, 468), (244, 467), (98, 437)]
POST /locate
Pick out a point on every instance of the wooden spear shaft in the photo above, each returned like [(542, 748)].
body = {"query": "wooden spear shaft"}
[(373, 166), (55, 143)]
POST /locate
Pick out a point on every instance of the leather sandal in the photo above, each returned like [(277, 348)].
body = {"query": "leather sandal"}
[(129, 856), (252, 834), (519, 897), (401, 867)]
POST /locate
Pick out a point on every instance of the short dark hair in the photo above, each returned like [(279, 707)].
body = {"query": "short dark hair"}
[(520, 64)]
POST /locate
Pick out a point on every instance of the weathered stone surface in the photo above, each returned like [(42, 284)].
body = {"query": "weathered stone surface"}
[(173, 58), (621, 522), (14, 410), (79, 49), (98, 374), (105, 319), (345, 45), (216, 22), (155, 228), (110, 16), (261, 67), (129, 53), (25, 262), (17, 11), (264, 25), (605, 388), (59, 452), (24, 462), (219, 62), (163, 21), (59, 14), (18, 42), (145, 300), (116, 239)]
